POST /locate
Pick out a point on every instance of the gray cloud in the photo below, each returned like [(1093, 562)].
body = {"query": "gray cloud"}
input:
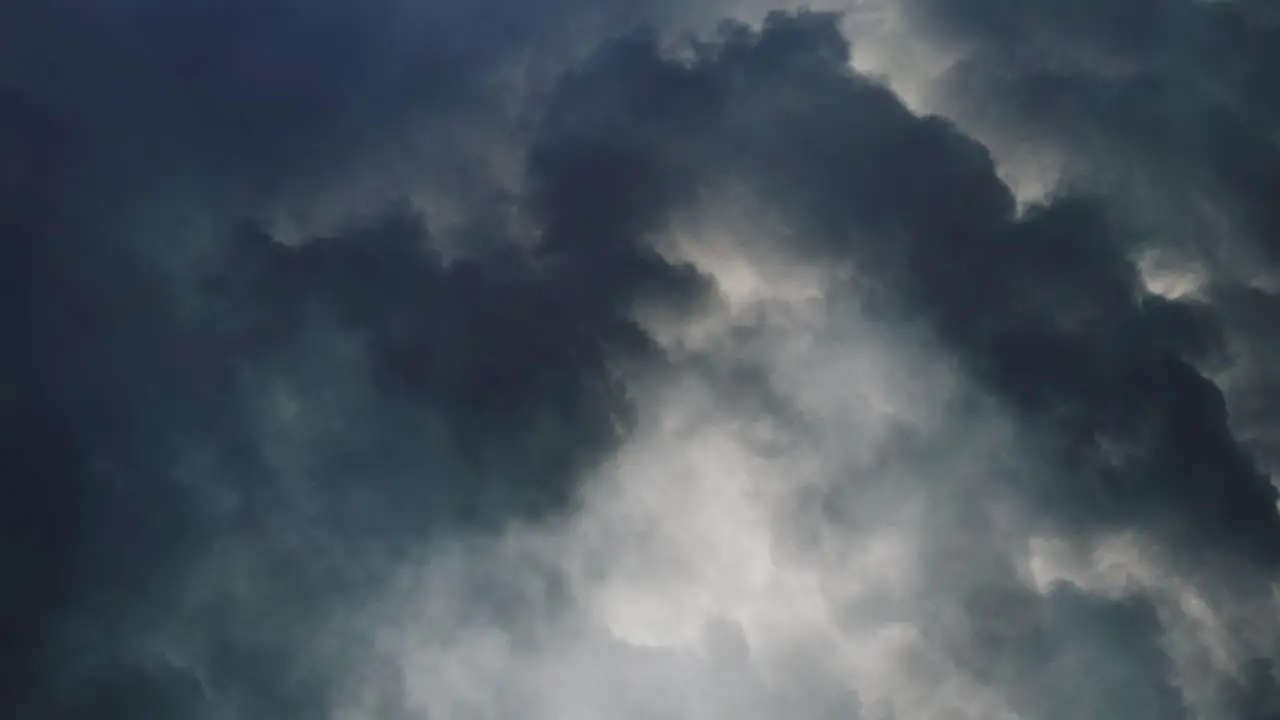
[(734, 386)]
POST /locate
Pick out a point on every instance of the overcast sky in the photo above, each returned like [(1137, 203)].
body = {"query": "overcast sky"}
[(640, 360)]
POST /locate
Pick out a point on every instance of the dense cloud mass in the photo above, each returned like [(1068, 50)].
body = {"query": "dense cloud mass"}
[(409, 360)]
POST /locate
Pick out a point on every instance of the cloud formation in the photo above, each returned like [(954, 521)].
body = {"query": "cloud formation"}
[(428, 360)]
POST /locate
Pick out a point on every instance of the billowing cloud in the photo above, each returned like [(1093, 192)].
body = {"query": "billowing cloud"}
[(1167, 108), (426, 360)]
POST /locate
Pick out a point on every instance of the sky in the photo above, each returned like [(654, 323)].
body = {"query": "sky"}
[(640, 359)]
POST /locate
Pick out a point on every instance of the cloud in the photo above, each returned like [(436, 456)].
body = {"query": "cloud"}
[(407, 361), (1164, 107)]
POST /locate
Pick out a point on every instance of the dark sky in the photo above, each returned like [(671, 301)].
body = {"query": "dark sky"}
[(445, 360)]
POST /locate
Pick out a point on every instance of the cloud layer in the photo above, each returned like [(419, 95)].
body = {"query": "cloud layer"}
[(411, 360)]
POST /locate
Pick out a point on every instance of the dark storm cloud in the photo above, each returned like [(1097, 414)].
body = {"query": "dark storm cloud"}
[(147, 452), (36, 519), (204, 481), (1041, 648), (1168, 110), (1168, 106), (408, 394), (1046, 309), (264, 91)]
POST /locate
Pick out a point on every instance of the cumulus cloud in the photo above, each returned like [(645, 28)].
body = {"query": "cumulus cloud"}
[(1166, 108), (587, 359)]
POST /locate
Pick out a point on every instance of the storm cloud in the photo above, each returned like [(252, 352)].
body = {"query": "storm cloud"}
[(579, 358)]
